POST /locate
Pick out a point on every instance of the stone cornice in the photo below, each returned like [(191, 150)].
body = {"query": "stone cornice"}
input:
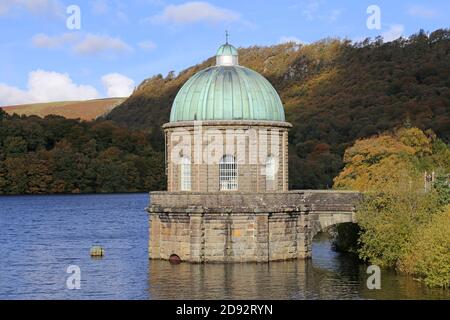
[(228, 123), (235, 202)]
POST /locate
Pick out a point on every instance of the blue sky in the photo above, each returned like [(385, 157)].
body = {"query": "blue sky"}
[(120, 43)]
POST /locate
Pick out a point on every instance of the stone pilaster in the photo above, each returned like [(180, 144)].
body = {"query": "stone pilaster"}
[(303, 241), (154, 238), (197, 237), (262, 237)]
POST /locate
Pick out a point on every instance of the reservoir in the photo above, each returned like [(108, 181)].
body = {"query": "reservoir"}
[(41, 236)]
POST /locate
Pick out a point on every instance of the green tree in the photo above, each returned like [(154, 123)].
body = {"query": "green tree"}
[(15, 146)]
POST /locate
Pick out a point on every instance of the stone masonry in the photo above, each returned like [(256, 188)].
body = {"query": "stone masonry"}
[(243, 227), (255, 138)]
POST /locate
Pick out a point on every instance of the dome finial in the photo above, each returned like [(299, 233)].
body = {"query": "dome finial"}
[(227, 55)]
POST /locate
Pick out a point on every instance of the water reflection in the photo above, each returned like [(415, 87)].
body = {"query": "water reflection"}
[(328, 275), (275, 280)]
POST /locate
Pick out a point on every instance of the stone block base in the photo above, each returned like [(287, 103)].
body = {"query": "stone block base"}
[(232, 227)]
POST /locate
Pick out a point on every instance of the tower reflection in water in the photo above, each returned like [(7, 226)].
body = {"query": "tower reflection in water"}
[(328, 275), (324, 277)]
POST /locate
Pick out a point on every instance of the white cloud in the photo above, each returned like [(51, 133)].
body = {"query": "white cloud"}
[(87, 44), (100, 7), (12, 95), (113, 9), (3, 8), (310, 9), (313, 10), (195, 11), (46, 86), (94, 44), (334, 15), (43, 40), (287, 39), (395, 31), (147, 45), (118, 85), (36, 7), (422, 12)]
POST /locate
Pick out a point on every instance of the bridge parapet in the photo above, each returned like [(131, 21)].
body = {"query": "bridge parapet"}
[(329, 208)]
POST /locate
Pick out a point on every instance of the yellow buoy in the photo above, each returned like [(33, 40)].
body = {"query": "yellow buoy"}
[(97, 251)]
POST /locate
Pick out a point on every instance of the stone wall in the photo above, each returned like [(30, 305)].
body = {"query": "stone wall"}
[(243, 227), (216, 138)]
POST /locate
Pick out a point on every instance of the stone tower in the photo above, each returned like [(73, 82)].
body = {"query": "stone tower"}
[(227, 131), (227, 173)]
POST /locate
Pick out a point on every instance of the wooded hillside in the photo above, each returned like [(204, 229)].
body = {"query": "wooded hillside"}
[(334, 92)]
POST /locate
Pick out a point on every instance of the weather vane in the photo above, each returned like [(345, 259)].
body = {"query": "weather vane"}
[(226, 36)]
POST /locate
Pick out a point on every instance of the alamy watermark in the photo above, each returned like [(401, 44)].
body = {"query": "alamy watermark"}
[(73, 22), (207, 145), (374, 280), (74, 280), (374, 19)]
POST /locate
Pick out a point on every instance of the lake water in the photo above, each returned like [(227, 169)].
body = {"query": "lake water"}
[(40, 236)]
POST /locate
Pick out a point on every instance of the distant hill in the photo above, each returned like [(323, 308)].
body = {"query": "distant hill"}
[(84, 110), (334, 92)]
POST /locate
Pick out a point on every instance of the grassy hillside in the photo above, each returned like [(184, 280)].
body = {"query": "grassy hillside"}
[(84, 110), (334, 92)]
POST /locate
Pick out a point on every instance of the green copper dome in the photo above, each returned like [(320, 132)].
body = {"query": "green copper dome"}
[(227, 91), (227, 50)]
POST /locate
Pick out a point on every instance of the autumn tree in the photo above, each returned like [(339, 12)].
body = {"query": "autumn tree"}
[(402, 225)]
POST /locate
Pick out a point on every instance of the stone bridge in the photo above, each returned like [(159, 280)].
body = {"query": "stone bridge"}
[(243, 227)]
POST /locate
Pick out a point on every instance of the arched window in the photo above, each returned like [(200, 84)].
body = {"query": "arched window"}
[(185, 174), (271, 170), (228, 175)]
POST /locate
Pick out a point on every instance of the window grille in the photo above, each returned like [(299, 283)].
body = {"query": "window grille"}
[(228, 173)]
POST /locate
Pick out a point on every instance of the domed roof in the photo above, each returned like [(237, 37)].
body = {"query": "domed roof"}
[(227, 91), (227, 50)]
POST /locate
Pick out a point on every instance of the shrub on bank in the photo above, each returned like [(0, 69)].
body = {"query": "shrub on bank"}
[(428, 255)]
